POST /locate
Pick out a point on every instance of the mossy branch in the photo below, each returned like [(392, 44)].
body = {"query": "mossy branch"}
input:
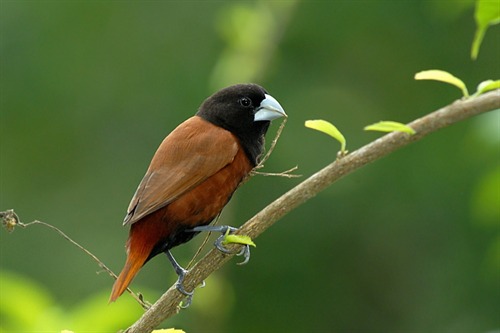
[(168, 304)]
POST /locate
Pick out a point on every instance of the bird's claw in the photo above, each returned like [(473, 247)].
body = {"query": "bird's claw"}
[(187, 301), (189, 294), (180, 287), (245, 251), (224, 230)]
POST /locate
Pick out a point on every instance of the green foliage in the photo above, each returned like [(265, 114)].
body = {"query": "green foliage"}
[(486, 86), (249, 31), (390, 126), (439, 75), (330, 129), (487, 13), (26, 306), (238, 239)]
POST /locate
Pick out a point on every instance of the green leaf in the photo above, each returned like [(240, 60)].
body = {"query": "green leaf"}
[(390, 126), (439, 75), (238, 239), (487, 13), (105, 318), (487, 86), (24, 304), (327, 128)]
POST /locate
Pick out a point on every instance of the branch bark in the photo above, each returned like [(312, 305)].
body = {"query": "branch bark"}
[(167, 304)]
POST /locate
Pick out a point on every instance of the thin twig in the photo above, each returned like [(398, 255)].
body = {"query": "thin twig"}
[(167, 305), (286, 173), (10, 220), (273, 145)]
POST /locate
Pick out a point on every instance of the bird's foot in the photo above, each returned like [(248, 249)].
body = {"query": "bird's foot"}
[(219, 242), (180, 287)]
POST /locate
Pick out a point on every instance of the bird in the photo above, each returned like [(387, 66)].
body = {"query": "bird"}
[(192, 176)]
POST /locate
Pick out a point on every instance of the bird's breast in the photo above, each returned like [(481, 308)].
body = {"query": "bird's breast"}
[(205, 201)]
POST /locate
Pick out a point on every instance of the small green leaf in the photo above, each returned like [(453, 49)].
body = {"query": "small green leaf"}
[(238, 239), (390, 126), (487, 13), (327, 128), (487, 86), (477, 41), (439, 75)]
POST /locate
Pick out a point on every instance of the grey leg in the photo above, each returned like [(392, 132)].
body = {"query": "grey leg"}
[(181, 273)]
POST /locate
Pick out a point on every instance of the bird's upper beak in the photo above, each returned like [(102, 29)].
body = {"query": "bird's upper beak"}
[(269, 109)]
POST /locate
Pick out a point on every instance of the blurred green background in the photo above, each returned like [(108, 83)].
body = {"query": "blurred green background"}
[(89, 90)]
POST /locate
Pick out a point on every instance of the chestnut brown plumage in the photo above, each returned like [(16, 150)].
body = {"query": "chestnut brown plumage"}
[(194, 173)]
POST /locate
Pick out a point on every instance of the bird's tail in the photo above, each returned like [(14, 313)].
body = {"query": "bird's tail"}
[(139, 247), (132, 265)]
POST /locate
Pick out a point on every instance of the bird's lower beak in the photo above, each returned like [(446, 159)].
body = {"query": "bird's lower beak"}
[(269, 109)]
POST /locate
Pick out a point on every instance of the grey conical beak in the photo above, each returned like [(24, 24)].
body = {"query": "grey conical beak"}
[(269, 109)]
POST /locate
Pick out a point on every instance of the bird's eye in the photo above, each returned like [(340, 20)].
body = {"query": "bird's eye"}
[(245, 101)]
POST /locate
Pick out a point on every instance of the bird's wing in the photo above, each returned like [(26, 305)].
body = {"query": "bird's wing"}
[(191, 153)]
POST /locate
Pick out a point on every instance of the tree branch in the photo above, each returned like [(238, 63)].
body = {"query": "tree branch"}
[(167, 305)]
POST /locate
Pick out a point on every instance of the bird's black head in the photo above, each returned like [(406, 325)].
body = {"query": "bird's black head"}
[(246, 110)]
